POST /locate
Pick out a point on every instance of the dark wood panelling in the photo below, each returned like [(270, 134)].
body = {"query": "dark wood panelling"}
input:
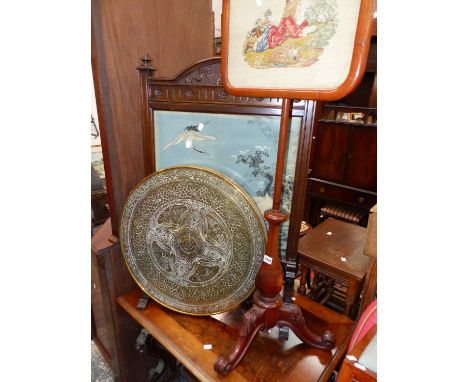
[(361, 171), (175, 34), (330, 156)]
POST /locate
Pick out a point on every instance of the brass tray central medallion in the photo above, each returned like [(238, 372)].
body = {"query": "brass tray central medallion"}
[(189, 241), (192, 239)]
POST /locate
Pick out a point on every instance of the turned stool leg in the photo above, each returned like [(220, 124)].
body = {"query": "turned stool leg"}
[(351, 291), (329, 289), (315, 289), (304, 272)]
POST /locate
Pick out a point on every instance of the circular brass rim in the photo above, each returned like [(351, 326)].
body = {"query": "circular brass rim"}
[(228, 180)]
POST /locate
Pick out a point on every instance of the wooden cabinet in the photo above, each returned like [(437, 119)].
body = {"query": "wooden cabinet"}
[(109, 278), (101, 311), (346, 152), (343, 157), (343, 162)]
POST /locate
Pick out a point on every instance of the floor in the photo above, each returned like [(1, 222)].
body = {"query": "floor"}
[(100, 371)]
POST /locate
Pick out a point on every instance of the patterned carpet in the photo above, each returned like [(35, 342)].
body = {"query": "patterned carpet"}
[(100, 371)]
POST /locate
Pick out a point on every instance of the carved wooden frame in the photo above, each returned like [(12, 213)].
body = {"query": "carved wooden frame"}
[(198, 89), (356, 70)]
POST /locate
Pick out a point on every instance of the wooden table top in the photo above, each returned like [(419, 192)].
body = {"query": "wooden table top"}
[(334, 240), (267, 359)]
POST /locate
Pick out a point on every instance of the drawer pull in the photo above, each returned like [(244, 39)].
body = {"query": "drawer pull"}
[(361, 199), (322, 189)]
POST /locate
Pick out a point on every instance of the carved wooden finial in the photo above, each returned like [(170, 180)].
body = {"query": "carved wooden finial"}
[(146, 59), (145, 63)]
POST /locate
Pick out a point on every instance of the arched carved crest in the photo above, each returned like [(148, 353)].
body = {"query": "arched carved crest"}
[(200, 83)]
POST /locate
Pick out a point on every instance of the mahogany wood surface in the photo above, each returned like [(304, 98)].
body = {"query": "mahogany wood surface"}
[(364, 31), (330, 156), (175, 34), (282, 144), (346, 240), (360, 171), (268, 359)]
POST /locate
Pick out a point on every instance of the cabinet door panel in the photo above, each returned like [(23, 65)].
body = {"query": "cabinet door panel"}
[(361, 171), (330, 152), (100, 304)]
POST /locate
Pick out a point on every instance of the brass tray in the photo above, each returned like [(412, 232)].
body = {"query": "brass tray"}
[(192, 239)]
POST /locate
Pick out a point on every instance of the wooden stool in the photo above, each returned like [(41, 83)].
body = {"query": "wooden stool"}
[(335, 249)]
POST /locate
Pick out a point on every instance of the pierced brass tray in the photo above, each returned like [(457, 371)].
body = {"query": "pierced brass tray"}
[(192, 239)]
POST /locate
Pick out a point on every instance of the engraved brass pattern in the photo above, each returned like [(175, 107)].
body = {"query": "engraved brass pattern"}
[(192, 239)]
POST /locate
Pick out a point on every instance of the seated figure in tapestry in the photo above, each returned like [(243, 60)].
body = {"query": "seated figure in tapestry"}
[(297, 39)]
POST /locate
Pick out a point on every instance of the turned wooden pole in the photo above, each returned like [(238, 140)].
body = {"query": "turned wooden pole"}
[(269, 280), (281, 156)]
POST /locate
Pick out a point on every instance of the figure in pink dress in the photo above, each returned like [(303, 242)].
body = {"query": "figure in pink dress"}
[(286, 28), (274, 35)]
